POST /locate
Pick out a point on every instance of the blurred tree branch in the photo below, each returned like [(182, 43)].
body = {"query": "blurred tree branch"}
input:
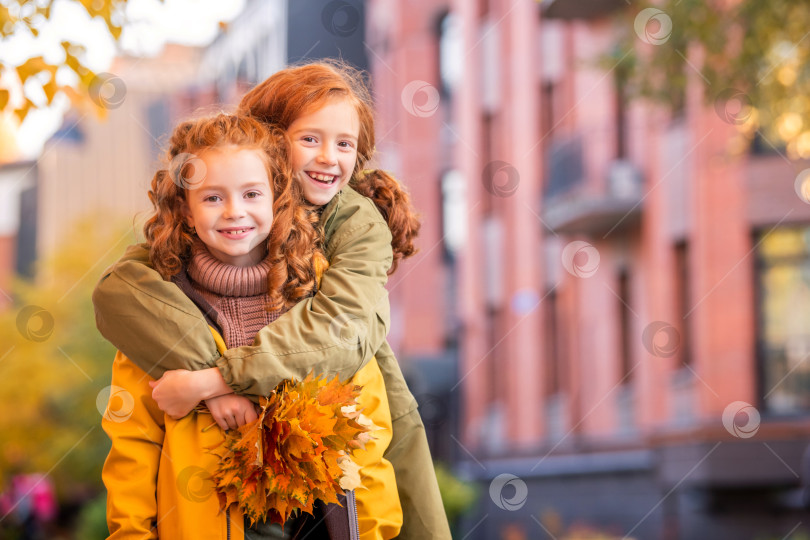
[(28, 16), (752, 58)]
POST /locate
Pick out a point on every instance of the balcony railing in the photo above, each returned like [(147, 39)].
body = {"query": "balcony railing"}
[(584, 207), (565, 166)]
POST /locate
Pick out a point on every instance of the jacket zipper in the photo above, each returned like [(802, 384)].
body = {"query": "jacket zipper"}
[(354, 526), (227, 525)]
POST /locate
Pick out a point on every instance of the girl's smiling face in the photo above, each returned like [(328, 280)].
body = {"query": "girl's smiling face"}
[(324, 149), (232, 207)]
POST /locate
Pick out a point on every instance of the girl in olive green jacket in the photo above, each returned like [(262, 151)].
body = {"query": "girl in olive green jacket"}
[(339, 329), (242, 246)]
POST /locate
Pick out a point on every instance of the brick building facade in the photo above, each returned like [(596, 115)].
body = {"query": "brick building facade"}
[(624, 285)]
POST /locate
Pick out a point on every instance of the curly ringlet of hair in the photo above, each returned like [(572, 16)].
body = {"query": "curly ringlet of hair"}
[(293, 246), (300, 89)]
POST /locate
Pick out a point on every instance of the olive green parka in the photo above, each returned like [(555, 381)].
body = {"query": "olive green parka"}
[(336, 332)]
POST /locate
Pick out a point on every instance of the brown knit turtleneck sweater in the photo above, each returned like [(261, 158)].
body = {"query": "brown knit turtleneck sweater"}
[(237, 293)]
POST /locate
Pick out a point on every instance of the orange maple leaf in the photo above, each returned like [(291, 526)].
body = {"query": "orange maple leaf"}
[(292, 454)]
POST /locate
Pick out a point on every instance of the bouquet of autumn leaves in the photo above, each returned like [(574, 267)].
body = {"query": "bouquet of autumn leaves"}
[(298, 451)]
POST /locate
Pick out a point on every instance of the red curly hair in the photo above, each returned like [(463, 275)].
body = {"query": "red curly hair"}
[(298, 90), (292, 246)]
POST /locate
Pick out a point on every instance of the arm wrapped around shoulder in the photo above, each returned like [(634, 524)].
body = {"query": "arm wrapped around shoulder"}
[(335, 332), (151, 320)]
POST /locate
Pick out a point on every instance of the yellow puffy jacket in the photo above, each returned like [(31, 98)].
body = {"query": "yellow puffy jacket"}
[(158, 471)]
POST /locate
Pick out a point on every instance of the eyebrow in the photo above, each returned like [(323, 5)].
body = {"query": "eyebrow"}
[(318, 130), (222, 188)]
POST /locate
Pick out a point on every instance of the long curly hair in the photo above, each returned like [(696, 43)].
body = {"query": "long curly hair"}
[(293, 244), (298, 90)]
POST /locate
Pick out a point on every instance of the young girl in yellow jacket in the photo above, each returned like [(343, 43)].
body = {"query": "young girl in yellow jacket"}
[(230, 231), (368, 227)]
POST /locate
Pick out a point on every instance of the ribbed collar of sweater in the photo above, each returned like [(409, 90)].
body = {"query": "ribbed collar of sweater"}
[(226, 279)]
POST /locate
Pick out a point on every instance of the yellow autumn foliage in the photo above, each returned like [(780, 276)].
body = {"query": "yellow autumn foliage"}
[(54, 365)]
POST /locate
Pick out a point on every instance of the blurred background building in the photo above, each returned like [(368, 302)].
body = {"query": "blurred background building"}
[(618, 279), (606, 326)]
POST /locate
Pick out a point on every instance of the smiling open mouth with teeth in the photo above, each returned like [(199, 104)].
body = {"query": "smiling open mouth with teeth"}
[(321, 178), (236, 231)]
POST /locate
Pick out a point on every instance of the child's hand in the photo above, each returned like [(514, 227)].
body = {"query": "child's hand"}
[(232, 411), (175, 392)]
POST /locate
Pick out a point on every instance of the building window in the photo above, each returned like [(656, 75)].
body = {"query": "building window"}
[(682, 303), (554, 345), (621, 116), (783, 326), (157, 118), (565, 165), (547, 97), (625, 327), (27, 232), (488, 152), (451, 54)]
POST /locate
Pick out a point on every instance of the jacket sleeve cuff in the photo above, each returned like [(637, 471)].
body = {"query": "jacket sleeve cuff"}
[(227, 369)]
